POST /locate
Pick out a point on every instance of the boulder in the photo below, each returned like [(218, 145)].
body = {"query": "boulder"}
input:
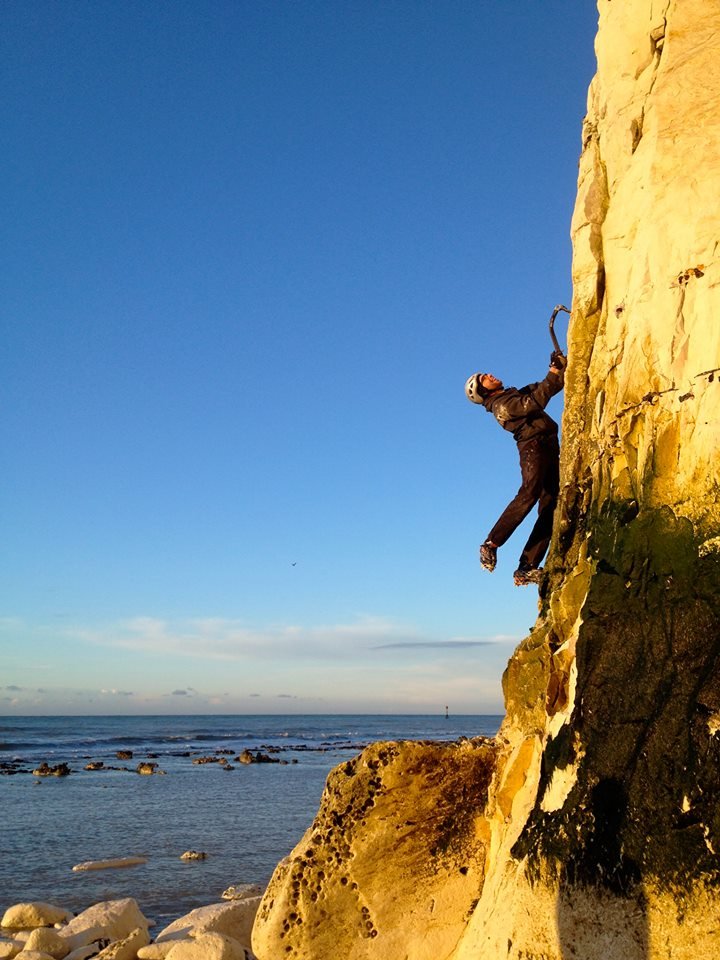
[(193, 855), (209, 946), (46, 940), (89, 949), (146, 768), (156, 951), (235, 919), (111, 919), (8, 949), (35, 955), (127, 948), (86, 952), (27, 916), (247, 756), (45, 770)]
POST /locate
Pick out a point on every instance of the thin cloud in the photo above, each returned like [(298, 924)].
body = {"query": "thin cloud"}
[(433, 644), (454, 643), (224, 639)]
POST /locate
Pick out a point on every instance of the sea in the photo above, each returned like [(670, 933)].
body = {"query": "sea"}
[(245, 817)]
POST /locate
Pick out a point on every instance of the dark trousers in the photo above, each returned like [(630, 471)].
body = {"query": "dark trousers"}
[(540, 469)]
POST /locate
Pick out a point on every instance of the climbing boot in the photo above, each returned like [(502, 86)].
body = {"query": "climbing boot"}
[(488, 556), (525, 575)]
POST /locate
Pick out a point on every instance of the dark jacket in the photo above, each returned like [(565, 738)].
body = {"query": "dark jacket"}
[(522, 411)]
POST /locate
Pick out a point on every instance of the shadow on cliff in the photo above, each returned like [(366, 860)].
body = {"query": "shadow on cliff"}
[(601, 870)]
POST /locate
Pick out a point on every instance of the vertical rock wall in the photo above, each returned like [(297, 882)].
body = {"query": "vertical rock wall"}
[(590, 828), (620, 680)]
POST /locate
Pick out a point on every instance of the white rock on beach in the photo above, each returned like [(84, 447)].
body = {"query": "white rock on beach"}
[(35, 955), (84, 953), (8, 949), (20, 936), (127, 948), (235, 919), (113, 864), (27, 916), (156, 951), (111, 919), (242, 891), (209, 946), (46, 940)]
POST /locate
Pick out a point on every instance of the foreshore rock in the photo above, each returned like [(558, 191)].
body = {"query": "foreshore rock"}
[(146, 768), (28, 916), (127, 948), (242, 891), (247, 756), (208, 946), (111, 920), (234, 918), (118, 930), (45, 770), (598, 835), (113, 864), (46, 940)]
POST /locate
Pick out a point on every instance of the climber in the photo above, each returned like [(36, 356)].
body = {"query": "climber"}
[(522, 412)]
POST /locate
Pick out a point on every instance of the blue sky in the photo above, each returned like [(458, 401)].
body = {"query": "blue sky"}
[(252, 251)]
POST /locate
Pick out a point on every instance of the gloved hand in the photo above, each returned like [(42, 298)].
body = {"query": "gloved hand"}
[(557, 360)]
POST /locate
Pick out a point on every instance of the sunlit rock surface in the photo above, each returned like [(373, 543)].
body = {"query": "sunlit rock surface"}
[(392, 865), (590, 827)]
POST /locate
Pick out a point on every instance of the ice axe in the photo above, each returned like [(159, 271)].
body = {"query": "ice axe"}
[(555, 312)]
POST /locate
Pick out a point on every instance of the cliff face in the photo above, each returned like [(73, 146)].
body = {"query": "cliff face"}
[(591, 826)]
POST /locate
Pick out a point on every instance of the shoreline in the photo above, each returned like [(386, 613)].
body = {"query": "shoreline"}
[(246, 819)]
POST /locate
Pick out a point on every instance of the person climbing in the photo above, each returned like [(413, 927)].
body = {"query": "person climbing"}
[(522, 412)]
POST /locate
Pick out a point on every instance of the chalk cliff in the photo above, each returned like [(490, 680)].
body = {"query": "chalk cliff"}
[(590, 827)]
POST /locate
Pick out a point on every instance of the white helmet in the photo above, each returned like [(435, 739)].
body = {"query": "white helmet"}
[(474, 390)]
